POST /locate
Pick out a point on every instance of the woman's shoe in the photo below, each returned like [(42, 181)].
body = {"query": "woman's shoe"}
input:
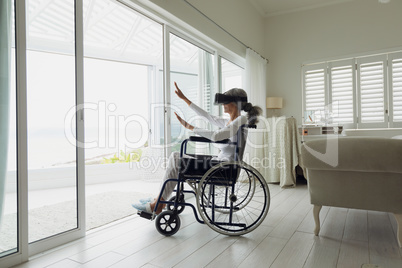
[(143, 207), (146, 200)]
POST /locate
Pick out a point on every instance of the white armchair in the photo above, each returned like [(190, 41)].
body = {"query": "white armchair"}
[(355, 172)]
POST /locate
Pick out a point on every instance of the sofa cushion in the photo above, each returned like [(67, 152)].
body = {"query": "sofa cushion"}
[(373, 132), (367, 154)]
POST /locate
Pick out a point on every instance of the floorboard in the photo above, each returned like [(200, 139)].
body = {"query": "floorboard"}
[(356, 225), (348, 238), (296, 251), (325, 251), (234, 255), (383, 246), (200, 238), (265, 254), (289, 224), (353, 254), (308, 224)]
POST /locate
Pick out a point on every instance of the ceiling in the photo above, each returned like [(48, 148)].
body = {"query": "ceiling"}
[(268, 8), (111, 31)]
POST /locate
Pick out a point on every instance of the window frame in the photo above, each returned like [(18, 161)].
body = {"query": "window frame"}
[(391, 57), (357, 62)]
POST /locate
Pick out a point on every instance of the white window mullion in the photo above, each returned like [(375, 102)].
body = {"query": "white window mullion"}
[(372, 91), (395, 86), (22, 137), (166, 91), (342, 91)]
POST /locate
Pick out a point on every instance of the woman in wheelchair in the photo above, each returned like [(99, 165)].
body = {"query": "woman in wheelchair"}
[(233, 101)]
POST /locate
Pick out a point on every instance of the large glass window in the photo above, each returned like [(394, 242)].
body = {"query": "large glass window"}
[(231, 75), (8, 133), (128, 128), (123, 95), (192, 69), (51, 94)]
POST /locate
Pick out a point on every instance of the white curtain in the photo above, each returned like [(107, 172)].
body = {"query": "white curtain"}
[(255, 85), (5, 60)]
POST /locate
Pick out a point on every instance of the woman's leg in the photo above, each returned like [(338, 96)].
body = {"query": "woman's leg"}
[(172, 172)]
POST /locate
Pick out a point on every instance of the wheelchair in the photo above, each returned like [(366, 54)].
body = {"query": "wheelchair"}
[(232, 197)]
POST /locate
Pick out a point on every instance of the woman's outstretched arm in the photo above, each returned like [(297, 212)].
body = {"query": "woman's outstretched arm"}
[(223, 133), (180, 94), (217, 135), (214, 120), (184, 122)]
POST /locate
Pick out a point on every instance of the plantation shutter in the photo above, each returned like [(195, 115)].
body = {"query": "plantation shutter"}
[(314, 82), (395, 61), (342, 92), (372, 91)]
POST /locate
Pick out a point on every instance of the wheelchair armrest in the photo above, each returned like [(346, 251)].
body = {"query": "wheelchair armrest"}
[(203, 139)]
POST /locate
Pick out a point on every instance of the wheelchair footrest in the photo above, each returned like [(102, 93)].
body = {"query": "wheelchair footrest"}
[(144, 214), (230, 224), (235, 209)]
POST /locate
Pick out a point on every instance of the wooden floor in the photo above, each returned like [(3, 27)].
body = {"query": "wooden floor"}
[(348, 238)]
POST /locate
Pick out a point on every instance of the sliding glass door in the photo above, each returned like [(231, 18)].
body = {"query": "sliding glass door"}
[(8, 133), (123, 57), (40, 95), (40, 90), (51, 94), (51, 177), (192, 68)]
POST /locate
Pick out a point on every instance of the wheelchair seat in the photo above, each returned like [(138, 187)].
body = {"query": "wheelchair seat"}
[(196, 165)]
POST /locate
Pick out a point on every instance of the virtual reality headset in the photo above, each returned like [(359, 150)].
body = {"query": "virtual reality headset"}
[(225, 99)]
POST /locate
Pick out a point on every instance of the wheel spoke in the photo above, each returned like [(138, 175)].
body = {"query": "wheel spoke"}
[(249, 198)]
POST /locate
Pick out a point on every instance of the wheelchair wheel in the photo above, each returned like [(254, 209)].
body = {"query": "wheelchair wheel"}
[(167, 223), (233, 198), (180, 209), (244, 190)]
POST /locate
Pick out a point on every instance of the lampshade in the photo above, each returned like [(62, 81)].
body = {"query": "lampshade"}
[(274, 102)]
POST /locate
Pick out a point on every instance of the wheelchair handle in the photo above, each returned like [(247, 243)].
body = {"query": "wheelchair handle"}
[(250, 126)]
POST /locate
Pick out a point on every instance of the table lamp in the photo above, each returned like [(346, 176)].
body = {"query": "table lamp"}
[(274, 103)]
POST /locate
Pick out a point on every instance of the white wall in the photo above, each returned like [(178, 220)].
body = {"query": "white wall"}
[(334, 31), (238, 17)]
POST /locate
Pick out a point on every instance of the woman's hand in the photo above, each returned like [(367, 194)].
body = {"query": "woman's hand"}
[(180, 94), (184, 122)]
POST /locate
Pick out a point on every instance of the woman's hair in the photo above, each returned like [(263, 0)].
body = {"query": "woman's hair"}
[(252, 111)]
